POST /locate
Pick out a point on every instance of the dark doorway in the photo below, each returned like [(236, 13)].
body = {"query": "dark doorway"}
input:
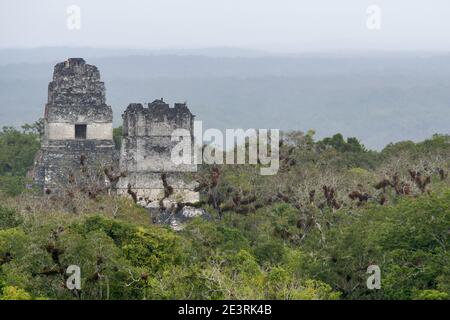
[(80, 131)]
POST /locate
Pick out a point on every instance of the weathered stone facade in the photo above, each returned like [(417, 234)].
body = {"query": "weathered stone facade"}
[(78, 133), (146, 152), (77, 125)]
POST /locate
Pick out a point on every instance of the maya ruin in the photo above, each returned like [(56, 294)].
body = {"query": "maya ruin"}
[(78, 131)]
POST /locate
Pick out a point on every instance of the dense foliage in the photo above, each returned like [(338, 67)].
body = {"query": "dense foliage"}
[(309, 232), (18, 149)]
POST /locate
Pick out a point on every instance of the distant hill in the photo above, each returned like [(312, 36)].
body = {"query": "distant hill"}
[(378, 98)]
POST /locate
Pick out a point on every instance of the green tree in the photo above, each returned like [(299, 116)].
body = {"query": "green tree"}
[(117, 136), (18, 151)]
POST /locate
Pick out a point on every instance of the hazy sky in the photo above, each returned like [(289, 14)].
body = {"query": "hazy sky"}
[(279, 25)]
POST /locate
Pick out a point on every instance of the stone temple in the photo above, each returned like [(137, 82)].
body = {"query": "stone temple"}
[(78, 131), (146, 151), (77, 124)]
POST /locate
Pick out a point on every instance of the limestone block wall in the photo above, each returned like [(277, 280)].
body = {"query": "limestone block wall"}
[(66, 131), (64, 160), (149, 186), (76, 95), (147, 147)]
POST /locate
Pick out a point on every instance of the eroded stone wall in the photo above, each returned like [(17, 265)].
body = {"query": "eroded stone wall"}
[(75, 96), (146, 152)]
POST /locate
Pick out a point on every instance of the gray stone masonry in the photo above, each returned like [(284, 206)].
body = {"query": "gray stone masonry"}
[(146, 151), (76, 97), (78, 138)]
